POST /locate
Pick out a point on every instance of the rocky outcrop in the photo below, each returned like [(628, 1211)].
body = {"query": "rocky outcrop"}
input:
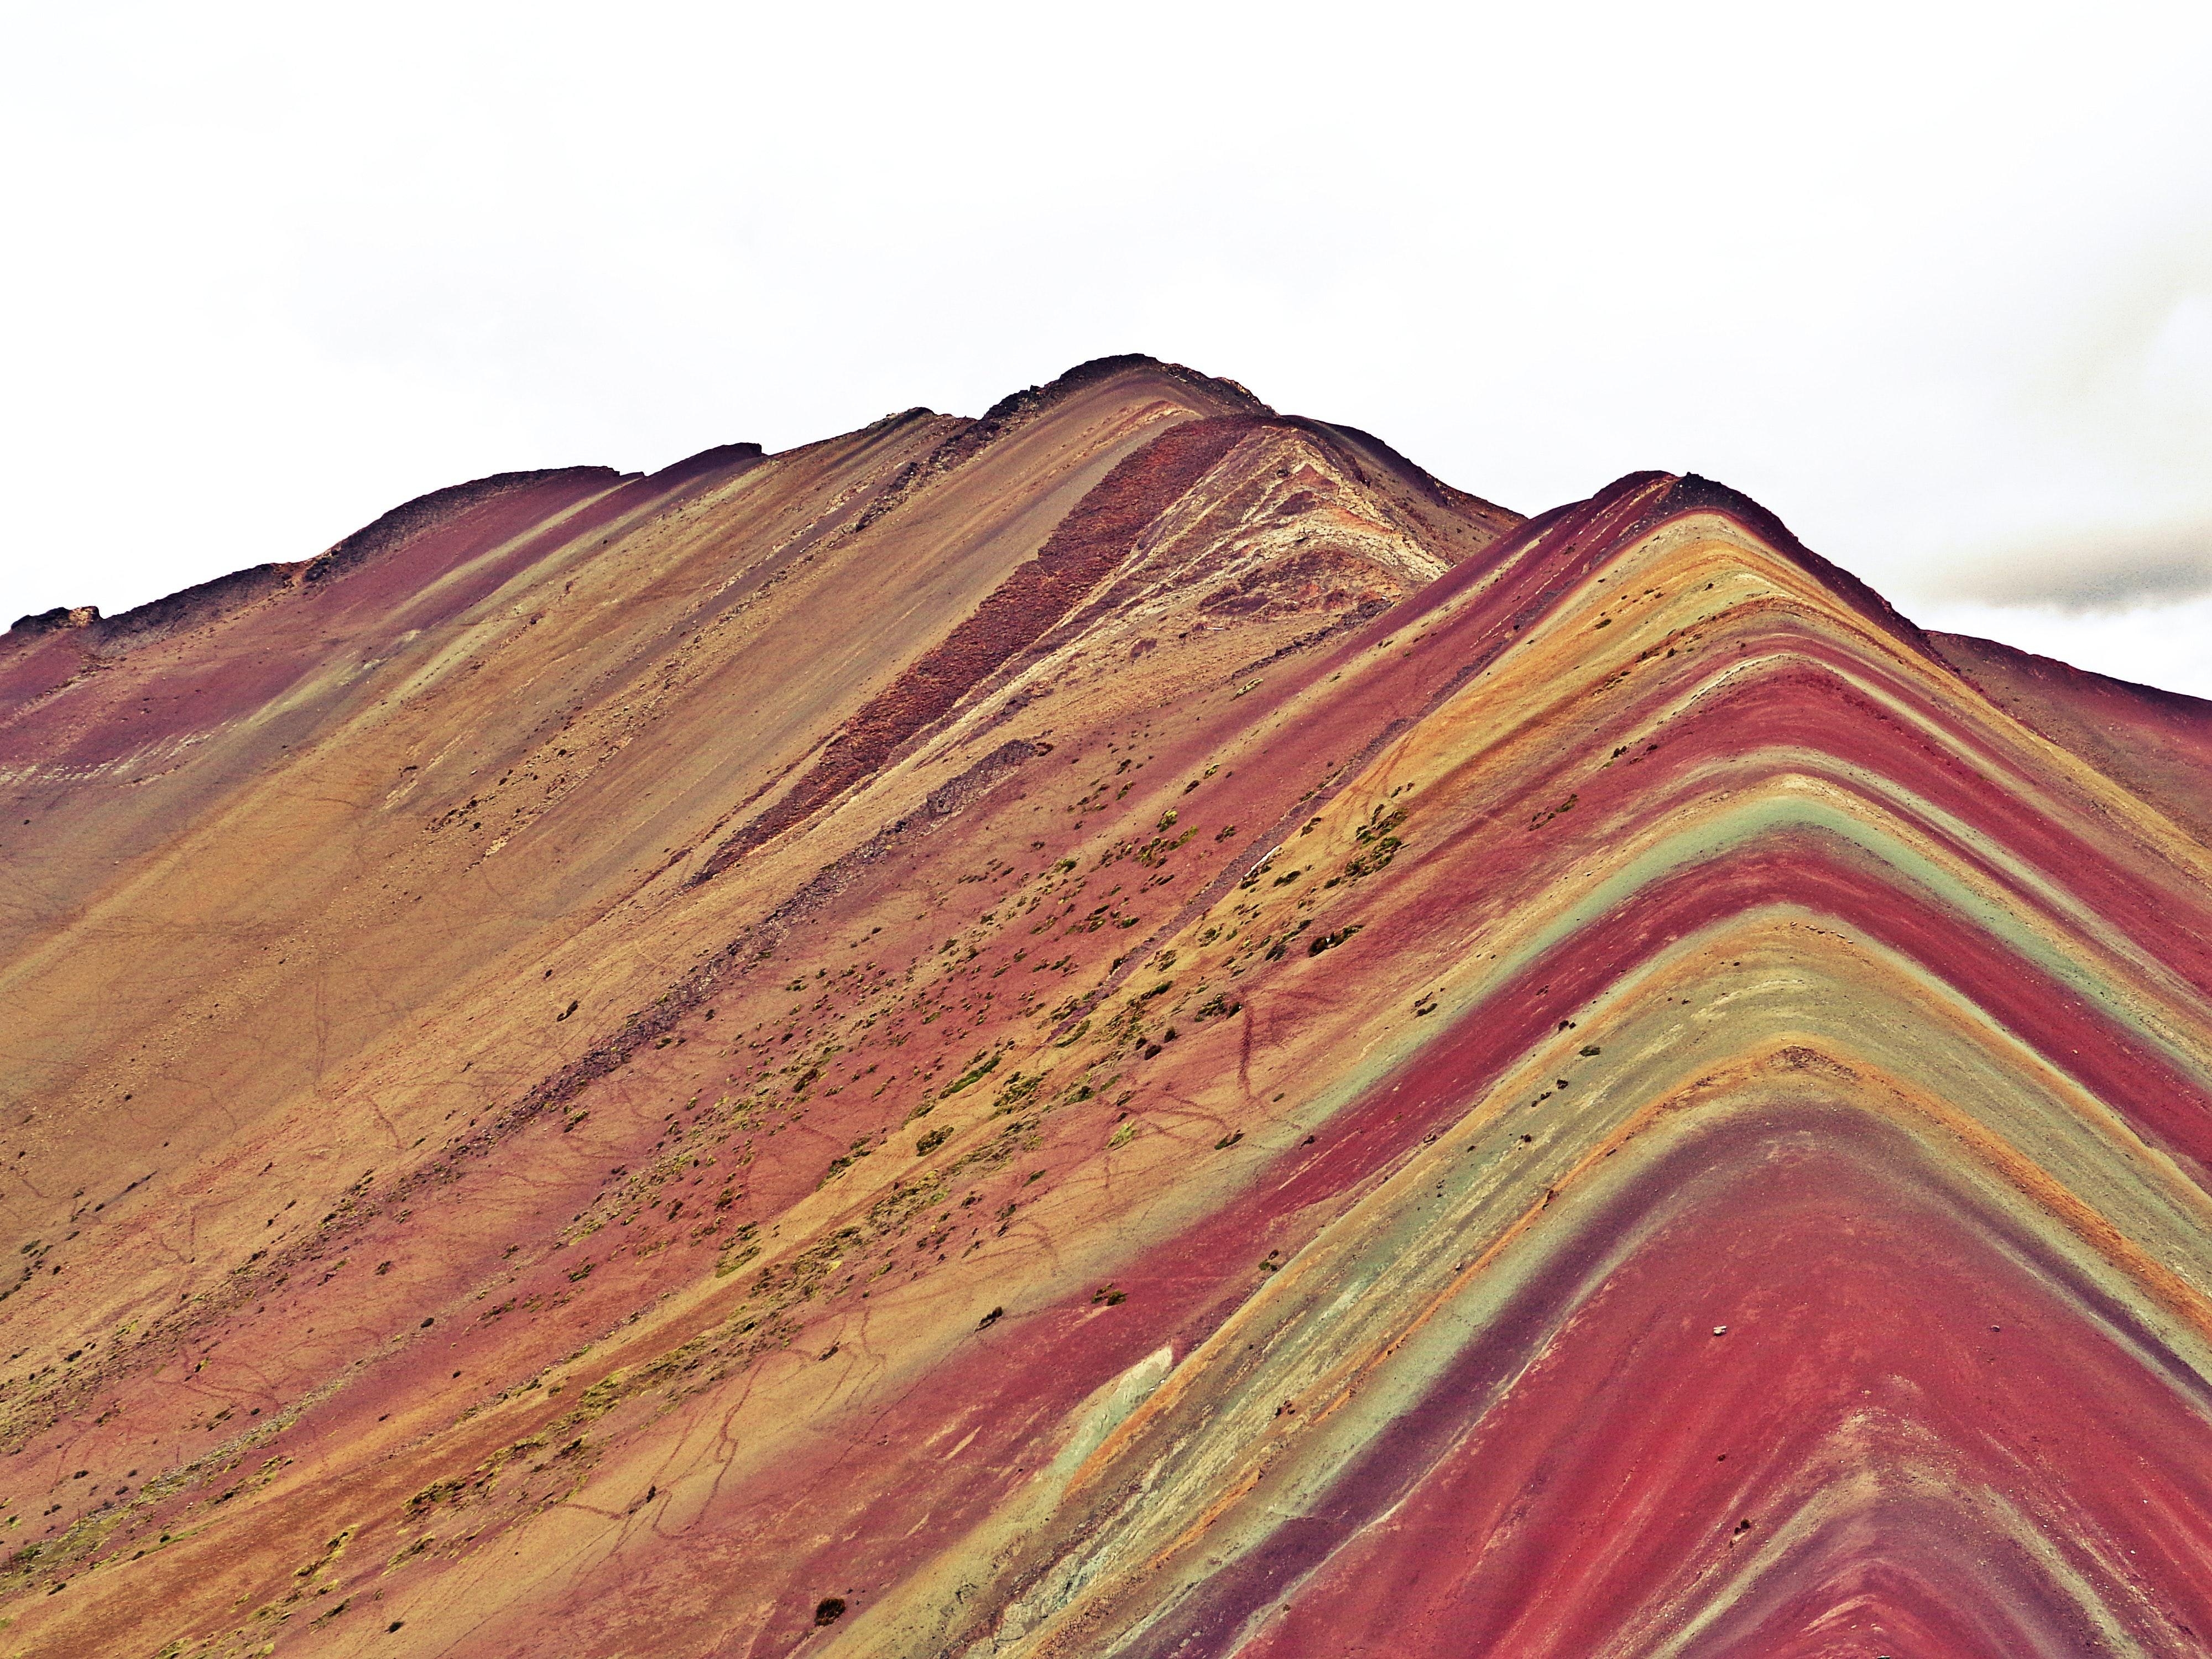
[(53, 621)]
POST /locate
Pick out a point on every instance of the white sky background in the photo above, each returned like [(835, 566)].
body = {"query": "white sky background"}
[(1932, 281)]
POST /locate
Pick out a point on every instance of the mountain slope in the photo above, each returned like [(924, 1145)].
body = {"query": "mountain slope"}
[(1125, 1028)]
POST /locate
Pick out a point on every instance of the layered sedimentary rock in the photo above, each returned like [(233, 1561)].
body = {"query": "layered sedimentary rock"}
[(1127, 1028)]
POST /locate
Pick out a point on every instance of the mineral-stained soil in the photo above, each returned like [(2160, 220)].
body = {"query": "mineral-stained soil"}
[(1125, 1028)]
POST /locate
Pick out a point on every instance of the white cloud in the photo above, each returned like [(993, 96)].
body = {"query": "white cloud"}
[(2168, 646)]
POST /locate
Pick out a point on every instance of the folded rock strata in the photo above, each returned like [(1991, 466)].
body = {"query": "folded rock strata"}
[(1128, 1027)]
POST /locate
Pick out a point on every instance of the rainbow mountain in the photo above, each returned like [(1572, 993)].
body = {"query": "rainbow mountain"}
[(1128, 1027)]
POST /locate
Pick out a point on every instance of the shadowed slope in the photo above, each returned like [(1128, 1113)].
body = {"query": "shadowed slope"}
[(2156, 744), (1288, 1067)]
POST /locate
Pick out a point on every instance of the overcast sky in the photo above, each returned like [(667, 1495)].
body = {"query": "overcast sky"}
[(1933, 282)]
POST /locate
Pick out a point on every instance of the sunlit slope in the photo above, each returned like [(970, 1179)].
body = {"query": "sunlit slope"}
[(328, 847), (1188, 1042)]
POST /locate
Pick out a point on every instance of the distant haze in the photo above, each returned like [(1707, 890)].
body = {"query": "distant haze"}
[(1932, 282)]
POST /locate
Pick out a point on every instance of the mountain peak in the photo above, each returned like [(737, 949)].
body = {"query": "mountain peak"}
[(1179, 1037)]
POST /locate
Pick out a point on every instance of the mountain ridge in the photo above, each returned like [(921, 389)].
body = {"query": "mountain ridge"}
[(1303, 1064)]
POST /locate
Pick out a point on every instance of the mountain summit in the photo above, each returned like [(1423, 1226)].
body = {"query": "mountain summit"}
[(1127, 1027)]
